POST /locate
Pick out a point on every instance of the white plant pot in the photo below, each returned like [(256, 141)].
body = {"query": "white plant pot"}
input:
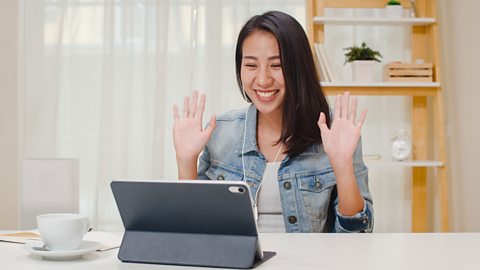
[(363, 70), (394, 11)]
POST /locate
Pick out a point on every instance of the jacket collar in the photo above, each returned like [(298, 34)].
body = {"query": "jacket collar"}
[(250, 138), (312, 150)]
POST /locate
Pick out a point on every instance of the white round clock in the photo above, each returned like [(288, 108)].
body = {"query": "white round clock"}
[(401, 145)]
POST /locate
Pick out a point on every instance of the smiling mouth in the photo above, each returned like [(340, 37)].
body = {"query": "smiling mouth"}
[(266, 93)]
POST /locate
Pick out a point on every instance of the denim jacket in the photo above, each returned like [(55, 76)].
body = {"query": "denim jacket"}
[(307, 183)]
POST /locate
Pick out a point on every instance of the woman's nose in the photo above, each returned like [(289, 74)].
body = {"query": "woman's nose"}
[(264, 77)]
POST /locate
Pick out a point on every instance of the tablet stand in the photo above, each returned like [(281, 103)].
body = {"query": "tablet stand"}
[(226, 251)]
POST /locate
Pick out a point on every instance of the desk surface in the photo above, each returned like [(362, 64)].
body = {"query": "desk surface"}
[(459, 251)]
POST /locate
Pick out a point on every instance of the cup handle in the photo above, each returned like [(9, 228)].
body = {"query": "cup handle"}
[(87, 226)]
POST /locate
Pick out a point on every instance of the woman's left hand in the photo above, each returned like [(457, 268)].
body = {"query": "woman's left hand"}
[(341, 139)]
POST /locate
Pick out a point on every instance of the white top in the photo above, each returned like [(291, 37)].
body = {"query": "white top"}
[(309, 251), (270, 217)]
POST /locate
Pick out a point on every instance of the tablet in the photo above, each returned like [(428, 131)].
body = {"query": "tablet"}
[(188, 222)]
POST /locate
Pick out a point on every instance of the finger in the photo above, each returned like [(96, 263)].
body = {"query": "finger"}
[(193, 104), (322, 123), (211, 126), (338, 100), (362, 119), (186, 101), (176, 115), (353, 109), (201, 107), (321, 119), (344, 106)]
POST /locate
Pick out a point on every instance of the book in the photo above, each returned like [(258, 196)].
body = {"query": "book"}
[(328, 67), (321, 64)]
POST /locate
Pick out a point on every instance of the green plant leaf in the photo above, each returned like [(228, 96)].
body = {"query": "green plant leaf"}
[(364, 52), (393, 3)]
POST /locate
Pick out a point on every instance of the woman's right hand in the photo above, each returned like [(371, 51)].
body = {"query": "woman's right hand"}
[(189, 136)]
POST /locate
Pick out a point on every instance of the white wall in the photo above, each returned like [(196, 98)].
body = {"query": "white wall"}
[(461, 58), (8, 114)]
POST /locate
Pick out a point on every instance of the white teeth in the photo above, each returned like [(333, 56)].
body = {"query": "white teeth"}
[(266, 94)]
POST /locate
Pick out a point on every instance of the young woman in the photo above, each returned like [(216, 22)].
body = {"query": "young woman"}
[(303, 165)]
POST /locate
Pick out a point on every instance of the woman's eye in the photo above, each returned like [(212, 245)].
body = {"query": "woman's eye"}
[(251, 65), (276, 65)]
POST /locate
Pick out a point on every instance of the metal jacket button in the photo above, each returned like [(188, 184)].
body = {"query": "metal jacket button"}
[(287, 185), (292, 219), (220, 177), (318, 184)]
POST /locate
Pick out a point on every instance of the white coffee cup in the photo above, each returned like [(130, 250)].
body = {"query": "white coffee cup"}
[(62, 231)]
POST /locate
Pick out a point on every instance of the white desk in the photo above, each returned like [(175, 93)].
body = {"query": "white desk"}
[(458, 251)]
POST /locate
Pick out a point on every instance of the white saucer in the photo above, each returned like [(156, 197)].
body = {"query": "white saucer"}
[(85, 248)]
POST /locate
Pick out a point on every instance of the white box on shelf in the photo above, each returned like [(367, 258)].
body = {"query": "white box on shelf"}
[(395, 11), (363, 70)]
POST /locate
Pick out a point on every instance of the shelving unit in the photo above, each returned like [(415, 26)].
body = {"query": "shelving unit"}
[(383, 88), (406, 163), (424, 45), (372, 21)]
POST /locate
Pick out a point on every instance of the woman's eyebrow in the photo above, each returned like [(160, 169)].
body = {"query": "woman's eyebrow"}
[(256, 58)]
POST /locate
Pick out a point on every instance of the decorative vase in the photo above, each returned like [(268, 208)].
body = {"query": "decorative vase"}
[(363, 70), (401, 145), (395, 11)]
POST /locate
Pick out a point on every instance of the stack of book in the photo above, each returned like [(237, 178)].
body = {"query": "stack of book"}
[(325, 70)]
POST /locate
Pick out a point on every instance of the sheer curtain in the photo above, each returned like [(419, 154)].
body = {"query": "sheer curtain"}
[(101, 77)]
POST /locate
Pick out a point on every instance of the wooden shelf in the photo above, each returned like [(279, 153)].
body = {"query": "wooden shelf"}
[(381, 84), (405, 163), (319, 20), (426, 98), (382, 88)]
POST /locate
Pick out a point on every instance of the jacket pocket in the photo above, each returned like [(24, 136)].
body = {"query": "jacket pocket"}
[(216, 172), (315, 192)]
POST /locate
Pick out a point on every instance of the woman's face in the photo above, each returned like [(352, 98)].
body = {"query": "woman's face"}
[(261, 72)]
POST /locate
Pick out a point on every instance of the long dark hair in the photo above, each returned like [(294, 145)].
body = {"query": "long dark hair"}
[(304, 98)]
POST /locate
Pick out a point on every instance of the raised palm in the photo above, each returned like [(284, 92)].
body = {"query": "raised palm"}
[(189, 136), (341, 139)]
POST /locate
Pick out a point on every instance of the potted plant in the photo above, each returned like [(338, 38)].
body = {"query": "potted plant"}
[(363, 62), (394, 9)]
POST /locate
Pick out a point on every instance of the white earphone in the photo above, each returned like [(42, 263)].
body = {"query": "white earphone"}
[(255, 208), (244, 136)]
